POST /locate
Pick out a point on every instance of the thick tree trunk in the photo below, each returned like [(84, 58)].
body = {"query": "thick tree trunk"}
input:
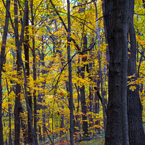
[(136, 133), (117, 24)]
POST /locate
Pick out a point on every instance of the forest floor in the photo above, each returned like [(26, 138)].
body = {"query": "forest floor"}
[(95, 141)]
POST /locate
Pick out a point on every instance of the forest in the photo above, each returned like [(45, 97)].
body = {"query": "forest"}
[(72, 72)]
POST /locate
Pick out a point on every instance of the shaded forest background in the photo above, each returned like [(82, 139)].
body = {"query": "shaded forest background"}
[(63, 74)]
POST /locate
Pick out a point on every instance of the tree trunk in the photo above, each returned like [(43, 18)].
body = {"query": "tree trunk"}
[(2, 57), (82, 92), (43, 88), (26, 51), (23, 125), (34, 69), (9, 111), (18, 87), (70, 74), (116, 17), (136, 133)]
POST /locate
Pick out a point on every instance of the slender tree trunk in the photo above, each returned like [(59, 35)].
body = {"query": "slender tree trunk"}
[(100, 70), (70, 74), (90, 96), (26, 51), (97, 106), (17, 105), (43, 88), (82, 91), (18, 87), (9, 111), (34, 68), (23, 125), (2, 57)]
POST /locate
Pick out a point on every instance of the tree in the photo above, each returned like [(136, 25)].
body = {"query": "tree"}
[(136, 133), (116, 17), (2, 58), (70, 73)]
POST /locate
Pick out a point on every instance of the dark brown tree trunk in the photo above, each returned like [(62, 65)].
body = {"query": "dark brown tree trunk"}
[(23, 125), (70, 74), (136, 133), (116, 18), (18, 87), (34, 69), (26, 51), (9, 111), (82, 92), (77, 122), (43, 88), (2, 57), (39, 106), (17, 106), (97, 106)]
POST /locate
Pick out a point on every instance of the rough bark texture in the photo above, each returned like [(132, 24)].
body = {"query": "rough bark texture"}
[(136, 133), (115, 17)]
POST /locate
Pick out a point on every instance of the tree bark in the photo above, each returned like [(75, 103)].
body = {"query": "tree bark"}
[(26, 51), (82, 91), (18, 87), (100, 70), (136, 133), (2, 57), (34, 69), (117, 24), (70, 74), (9, 111)]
